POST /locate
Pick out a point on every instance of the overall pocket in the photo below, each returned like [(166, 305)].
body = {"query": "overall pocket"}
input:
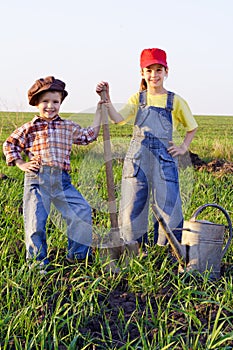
[(168, 168), (132, 160), (165, 121)]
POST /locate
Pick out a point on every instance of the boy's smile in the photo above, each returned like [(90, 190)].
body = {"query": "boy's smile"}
[(49, 104)]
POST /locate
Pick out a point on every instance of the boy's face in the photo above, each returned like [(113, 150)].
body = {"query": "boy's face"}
[(49, 104)]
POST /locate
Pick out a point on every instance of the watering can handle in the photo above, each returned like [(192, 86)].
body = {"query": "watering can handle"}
[(202, 207)]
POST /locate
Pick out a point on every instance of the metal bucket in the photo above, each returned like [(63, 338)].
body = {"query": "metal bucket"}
[(204, 242)]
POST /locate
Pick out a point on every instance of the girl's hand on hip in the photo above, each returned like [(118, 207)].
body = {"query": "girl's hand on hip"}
[(175, 151)]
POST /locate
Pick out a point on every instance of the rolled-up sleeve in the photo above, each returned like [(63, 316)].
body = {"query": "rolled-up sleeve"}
[(84, 136), (13, 146)]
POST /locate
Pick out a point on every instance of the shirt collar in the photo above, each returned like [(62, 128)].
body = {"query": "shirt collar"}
[(37, 118)]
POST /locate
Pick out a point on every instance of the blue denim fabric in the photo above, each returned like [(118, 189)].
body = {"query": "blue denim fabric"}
[(177, 232), (52, 185), (150, 169)]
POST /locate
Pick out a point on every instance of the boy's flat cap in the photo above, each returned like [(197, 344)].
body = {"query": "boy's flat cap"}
[(43, 85)]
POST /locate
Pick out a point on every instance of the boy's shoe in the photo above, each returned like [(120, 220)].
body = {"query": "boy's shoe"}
[(43, 272), (42, 268)]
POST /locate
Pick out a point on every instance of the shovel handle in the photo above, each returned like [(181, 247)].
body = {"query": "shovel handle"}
[(202, 207), (108, 163), (177, 248)]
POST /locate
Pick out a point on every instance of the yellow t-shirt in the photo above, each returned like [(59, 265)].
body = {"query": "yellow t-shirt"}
[(181, 113)]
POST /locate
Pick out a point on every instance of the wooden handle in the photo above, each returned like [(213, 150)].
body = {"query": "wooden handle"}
[(108, 164)]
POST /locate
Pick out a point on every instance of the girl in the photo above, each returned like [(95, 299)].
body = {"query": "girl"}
[(151, 161)]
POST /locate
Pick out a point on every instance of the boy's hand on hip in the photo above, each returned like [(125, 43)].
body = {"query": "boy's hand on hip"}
[(33, 165)]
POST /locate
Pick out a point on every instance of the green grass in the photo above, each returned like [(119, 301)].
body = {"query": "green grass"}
[(212, 140), (214, 137), (149, 304)]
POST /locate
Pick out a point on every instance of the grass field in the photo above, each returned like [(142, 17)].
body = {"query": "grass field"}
[(148, 304)]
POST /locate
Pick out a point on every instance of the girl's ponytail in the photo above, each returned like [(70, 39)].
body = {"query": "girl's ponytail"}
[(143, 85)]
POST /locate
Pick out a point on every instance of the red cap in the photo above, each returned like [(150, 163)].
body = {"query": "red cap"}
[(153, 56)]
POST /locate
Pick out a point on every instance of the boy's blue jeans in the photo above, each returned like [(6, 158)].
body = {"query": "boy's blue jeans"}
[(52, 185)]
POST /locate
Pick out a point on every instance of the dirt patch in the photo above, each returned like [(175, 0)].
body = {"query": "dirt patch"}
[(134, 306), (219, 166), (3, 177)]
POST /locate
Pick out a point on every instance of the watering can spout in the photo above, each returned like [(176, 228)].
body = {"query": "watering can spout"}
[(178, 249)]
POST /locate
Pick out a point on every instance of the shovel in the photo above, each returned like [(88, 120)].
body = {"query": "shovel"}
[(108, 166), (115, 246)]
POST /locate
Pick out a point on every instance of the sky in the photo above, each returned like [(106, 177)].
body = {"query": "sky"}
[(84, 42)]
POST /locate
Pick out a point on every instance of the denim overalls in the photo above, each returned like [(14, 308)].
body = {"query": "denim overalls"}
[(53, 185), (148, 167)]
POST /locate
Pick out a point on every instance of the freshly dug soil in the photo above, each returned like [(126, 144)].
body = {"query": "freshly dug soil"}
[(219, 166)]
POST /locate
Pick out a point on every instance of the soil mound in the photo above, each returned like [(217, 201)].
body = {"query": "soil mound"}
[(3, 176), (219, 166)]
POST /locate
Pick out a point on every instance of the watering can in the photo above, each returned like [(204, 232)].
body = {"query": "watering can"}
[(201, 248)]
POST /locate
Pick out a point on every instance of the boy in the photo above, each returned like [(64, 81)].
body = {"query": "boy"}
[(47, 141)]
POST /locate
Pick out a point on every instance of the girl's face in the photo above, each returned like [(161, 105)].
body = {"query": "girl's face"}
[(154, 76), (49, 104)]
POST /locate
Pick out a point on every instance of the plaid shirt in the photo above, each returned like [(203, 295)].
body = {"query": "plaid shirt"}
[(51, 142)]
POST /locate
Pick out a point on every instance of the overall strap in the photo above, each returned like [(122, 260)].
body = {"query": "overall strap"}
[(170, 98), (142, 98), (142, 105)]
